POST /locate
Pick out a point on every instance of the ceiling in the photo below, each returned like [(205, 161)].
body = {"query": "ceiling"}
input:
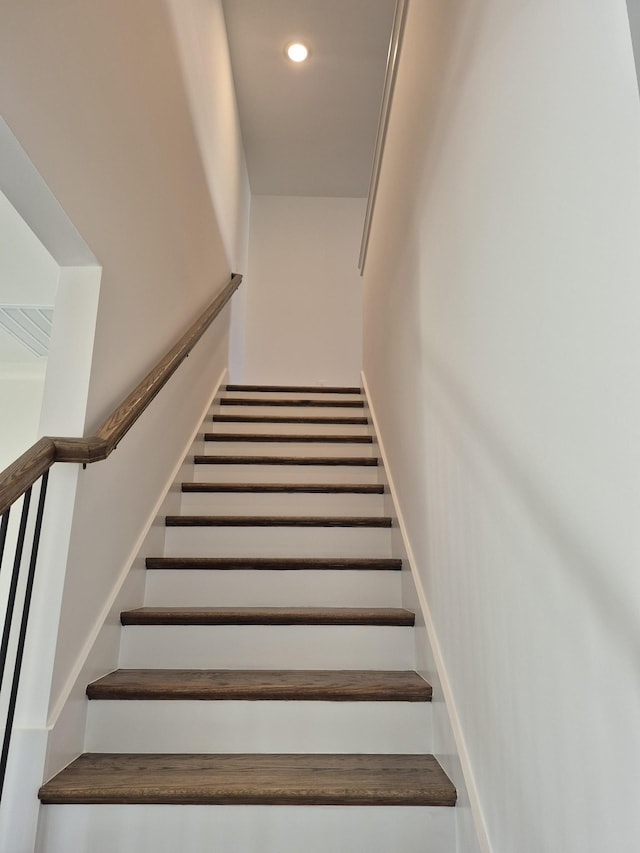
[(309, 129)]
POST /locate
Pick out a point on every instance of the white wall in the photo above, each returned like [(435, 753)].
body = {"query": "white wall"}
[(304, 305), (21, 387), (112, 135), (501, 351), (204, 53), (28, 276)]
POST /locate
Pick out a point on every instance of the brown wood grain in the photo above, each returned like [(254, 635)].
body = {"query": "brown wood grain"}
[(327, 404), (22, 473), (288, 437), (275, 563), (276, 521), (16, 479), (295, 389), (379, 616), (127, 413), (262, 685), (370, 461), (269, 779), (289, 488), (288, 419)]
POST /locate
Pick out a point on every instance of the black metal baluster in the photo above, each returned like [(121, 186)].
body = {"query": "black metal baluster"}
[(8, 619), (3, 532), (23, 631)]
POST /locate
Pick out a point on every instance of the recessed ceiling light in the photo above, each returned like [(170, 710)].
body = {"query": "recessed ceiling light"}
[(297, 52)]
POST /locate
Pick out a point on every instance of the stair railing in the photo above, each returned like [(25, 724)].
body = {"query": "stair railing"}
[(24, 484)]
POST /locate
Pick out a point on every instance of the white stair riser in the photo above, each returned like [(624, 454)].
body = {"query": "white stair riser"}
[(273, 503), (210, 425), (258, 726), (248, 473), (273, 588), (266, 647), (287, 448), (277, 542), (250, 829), (293, 411)]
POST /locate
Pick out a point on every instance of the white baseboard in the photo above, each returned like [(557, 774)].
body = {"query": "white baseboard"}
[(472, 795)]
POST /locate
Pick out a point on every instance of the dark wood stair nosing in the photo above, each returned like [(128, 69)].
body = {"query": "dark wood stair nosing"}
[(293, 403), (261, 778), (261, 685), (290, 419), (295, 389), (287, 488), (329, 616), (287, 438), (275, 563), (277, 521), (334, 461)]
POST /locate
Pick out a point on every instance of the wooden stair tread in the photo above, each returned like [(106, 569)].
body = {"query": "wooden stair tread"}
[(225, 684), (294, 403), (296, 389), (276, 563), (276, 521), (289, 419), (286, 460), (278, 488), (269, 779), (391, 616), (291, 438)]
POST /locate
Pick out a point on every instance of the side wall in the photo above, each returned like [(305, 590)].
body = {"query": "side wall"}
[(501, 352), (204, 54), (95, 94), (304, 306), (28, 276), (21, 387)]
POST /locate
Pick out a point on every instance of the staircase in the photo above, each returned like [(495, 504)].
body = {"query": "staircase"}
[(272, 664)]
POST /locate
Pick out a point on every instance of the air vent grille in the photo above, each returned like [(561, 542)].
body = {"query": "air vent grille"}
[(30, 325)]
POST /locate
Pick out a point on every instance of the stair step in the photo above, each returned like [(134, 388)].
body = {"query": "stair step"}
[(288, 488), (296, 389), (293, 402), (277, 563), (275, 521), (272, 582), (284, 469), (369, 461), (266, 779), (299, 685), (157, 724), (265, 587), (250, 829), (289, 419), (272, 502), (266, 646), (268, 616), (277, 541), (288, 437)]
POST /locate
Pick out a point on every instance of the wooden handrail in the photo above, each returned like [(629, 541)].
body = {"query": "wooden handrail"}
[(22, 473)]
